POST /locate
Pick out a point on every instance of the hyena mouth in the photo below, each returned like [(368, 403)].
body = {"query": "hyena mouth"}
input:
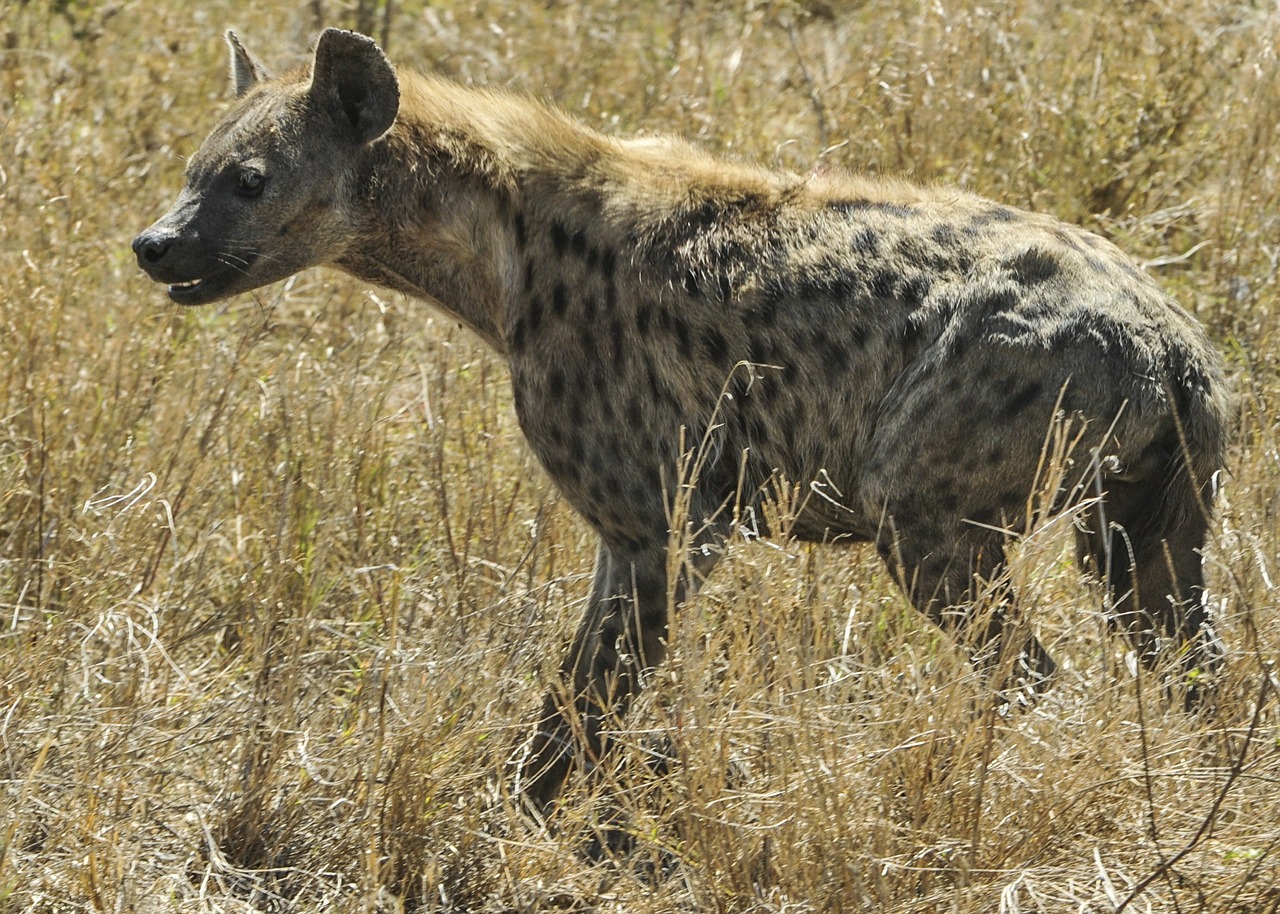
[(205, 289), (197, 291)]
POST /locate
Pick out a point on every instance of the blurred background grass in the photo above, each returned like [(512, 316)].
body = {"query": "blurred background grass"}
[(280, 585)]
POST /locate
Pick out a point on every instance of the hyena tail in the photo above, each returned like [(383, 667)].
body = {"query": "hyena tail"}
[(1144, 538)]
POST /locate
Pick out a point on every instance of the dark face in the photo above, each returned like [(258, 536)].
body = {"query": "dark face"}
[(262, 201), (269, 192)]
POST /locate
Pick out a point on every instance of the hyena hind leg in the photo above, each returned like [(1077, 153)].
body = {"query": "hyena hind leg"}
[(946, 579), (1142, 542)]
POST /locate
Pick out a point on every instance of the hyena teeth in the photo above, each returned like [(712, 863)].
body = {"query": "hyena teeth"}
[(189, 284)]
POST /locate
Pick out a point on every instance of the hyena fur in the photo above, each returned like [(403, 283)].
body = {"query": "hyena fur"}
[(903, 350)]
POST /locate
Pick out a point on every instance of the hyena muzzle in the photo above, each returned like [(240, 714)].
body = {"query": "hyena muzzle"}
[(902, 354)]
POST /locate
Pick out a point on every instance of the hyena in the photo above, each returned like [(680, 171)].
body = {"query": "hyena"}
[(901, 351)]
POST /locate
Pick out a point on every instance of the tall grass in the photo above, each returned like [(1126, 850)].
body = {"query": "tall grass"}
[(280, 586)]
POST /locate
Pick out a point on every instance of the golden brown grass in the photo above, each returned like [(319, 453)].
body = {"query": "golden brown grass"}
[(280, 586)]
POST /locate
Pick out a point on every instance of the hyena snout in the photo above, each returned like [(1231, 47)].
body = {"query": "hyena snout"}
[(195, 272), (151, 248), (168, 254)]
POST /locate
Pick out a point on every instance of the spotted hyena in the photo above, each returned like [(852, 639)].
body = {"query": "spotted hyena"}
[(899, 352)]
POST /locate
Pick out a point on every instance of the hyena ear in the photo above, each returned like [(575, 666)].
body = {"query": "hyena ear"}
[(246, 72), (353, 79)]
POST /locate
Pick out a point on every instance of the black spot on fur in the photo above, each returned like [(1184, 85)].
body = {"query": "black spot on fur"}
[(865, 241), (715, 345), (911, 333), (617, 336), (881, 283), (635, 412), (916, 251), (518, 336), (578, 243), (858, 206), (699, 220), (995, 455), (1022, 399), (846, 207), (1063, 236), (589, 305), (639, 492), (905, 516), (528, 276), (836, 286), (993, 214), (644, 315), (989, 515), (534, 314), (944, 235), (994, 302), (835, 357), (559, 238), (555, 384), (726, 290), (684, 338), (899, 210), (691, 283), (518, 225), (766, 310), (608, 263), (559, 300), (788, 425), (1013, 498), (768, 389), (760, 349), (1033, 267), (655, 386), (913, 289)]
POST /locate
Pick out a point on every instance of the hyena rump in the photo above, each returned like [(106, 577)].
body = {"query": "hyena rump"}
[(902, 350)]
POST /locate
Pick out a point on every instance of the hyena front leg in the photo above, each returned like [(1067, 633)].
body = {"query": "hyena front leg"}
[(622, 634)]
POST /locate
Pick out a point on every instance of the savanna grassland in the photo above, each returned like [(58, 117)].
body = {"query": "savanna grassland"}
[(280, 586)]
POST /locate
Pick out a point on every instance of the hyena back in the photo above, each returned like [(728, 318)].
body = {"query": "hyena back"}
[(902, 351)]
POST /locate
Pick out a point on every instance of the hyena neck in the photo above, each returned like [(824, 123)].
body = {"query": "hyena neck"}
[(472, 191)]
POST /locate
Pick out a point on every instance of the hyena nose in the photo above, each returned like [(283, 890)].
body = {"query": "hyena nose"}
[(150, 249)]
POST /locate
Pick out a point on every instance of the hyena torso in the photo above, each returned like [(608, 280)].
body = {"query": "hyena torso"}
[(677, 326)]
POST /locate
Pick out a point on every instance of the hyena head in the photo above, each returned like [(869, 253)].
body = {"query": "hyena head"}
[(271, 190)]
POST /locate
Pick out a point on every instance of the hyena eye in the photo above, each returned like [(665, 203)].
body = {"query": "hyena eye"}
[(250, 183)]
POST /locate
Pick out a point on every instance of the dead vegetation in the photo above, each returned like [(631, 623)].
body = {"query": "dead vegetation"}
[(280, 587)]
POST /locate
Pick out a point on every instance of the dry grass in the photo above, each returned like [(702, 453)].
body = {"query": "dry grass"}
[(279, 584)]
